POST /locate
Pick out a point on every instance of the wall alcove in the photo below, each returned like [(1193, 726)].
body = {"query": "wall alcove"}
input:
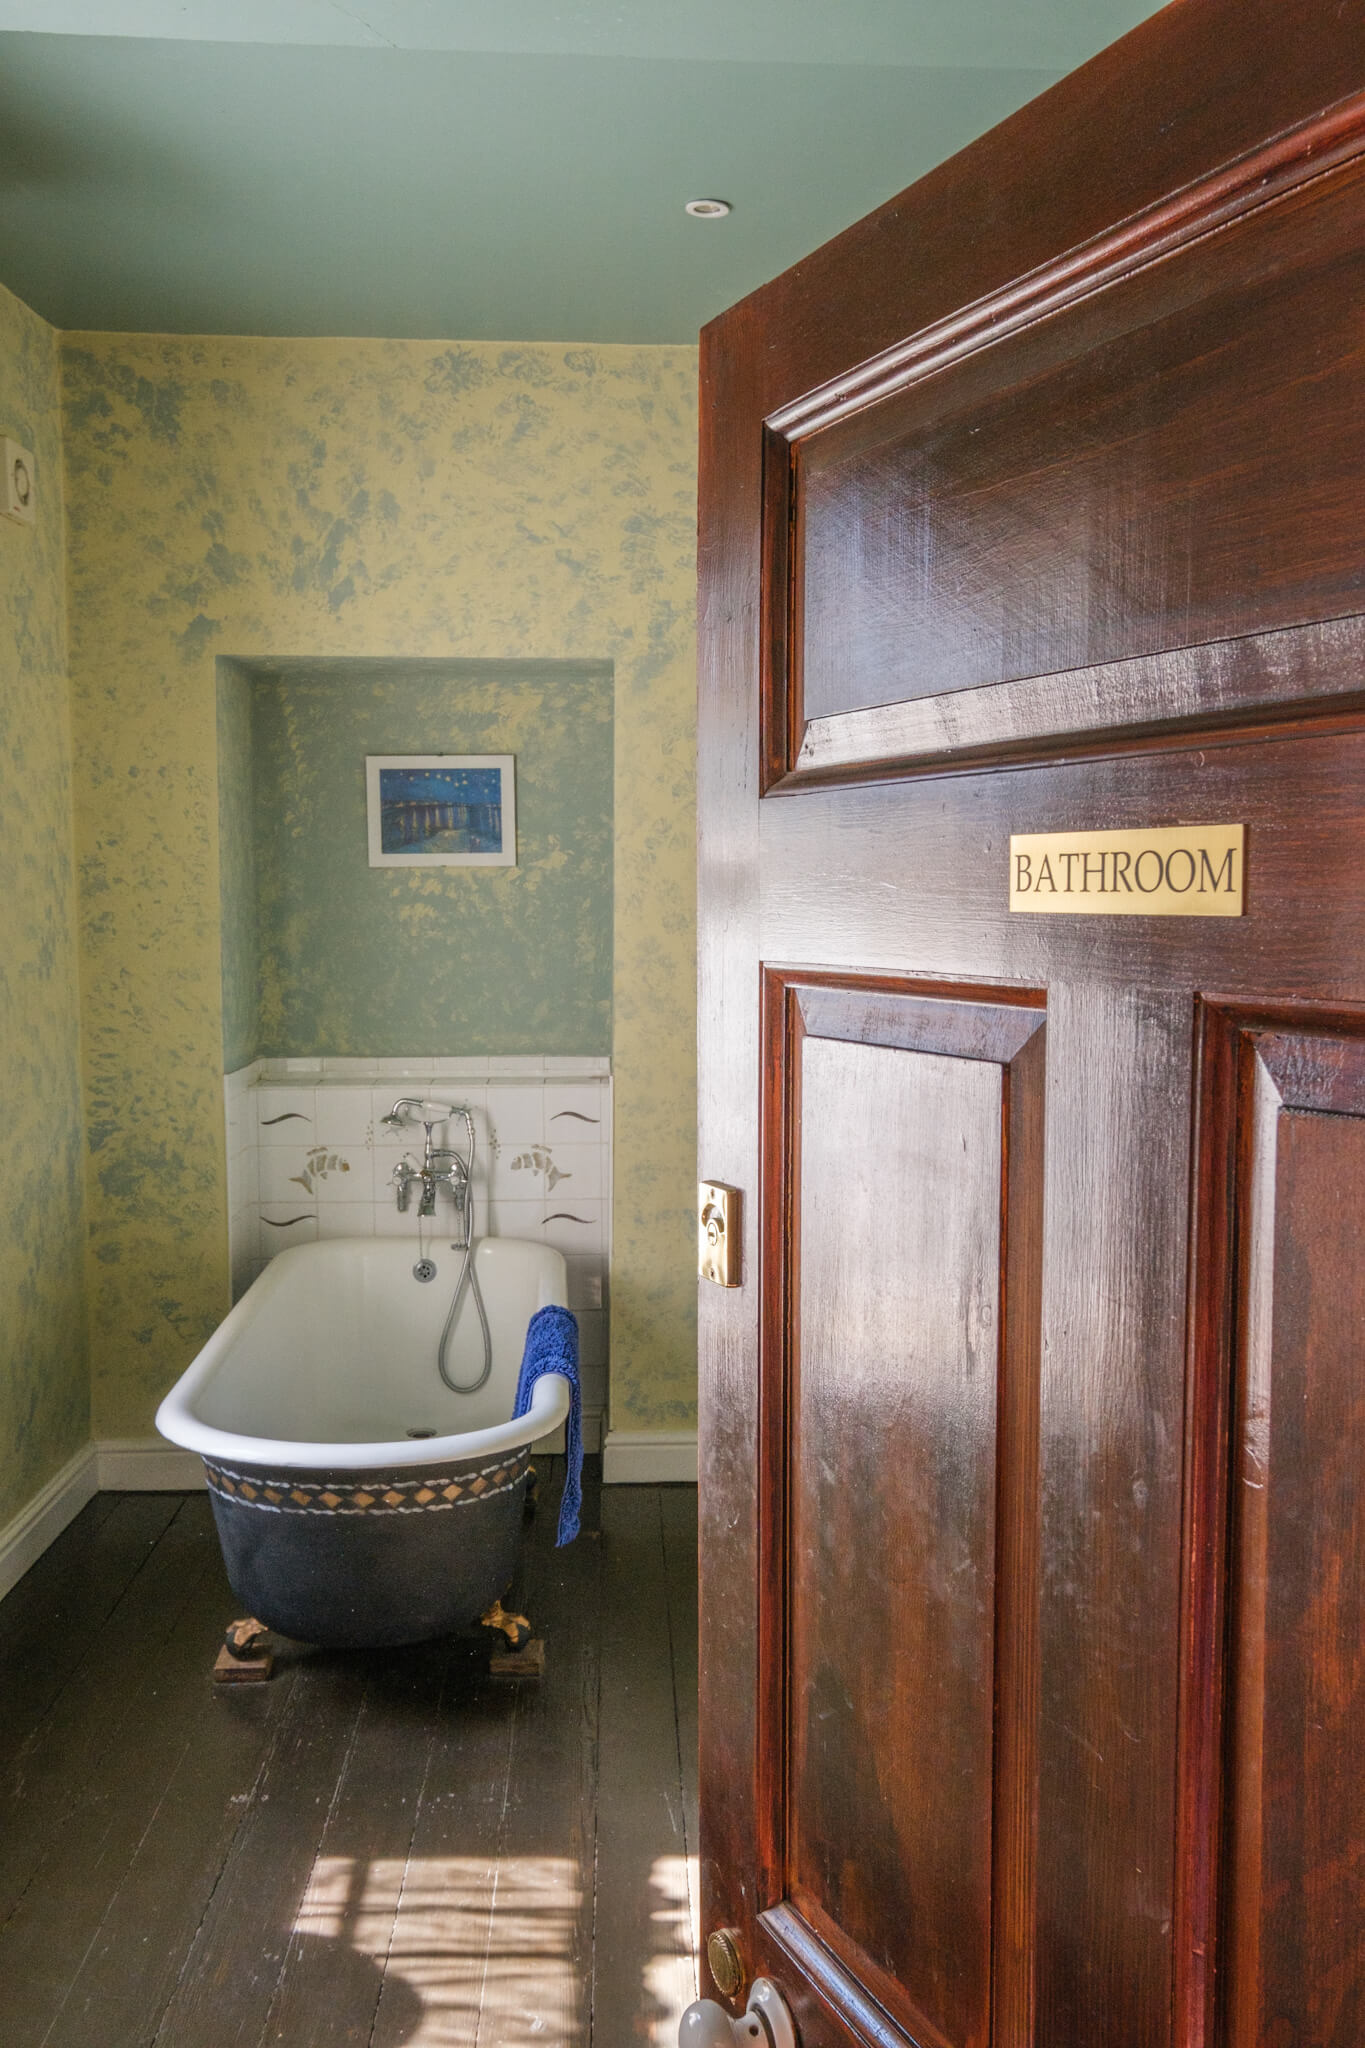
[(324, 956), (345, 985)]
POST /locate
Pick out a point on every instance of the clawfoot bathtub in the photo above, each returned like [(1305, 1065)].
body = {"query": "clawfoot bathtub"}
[(359, 1502)]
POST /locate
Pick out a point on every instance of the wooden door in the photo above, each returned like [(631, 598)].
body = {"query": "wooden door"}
[(1033, 1574)]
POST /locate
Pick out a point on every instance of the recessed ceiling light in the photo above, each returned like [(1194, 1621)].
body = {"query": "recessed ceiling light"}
[(707, 209)]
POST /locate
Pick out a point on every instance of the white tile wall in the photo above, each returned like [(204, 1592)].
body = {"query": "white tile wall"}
[(308, 1156)]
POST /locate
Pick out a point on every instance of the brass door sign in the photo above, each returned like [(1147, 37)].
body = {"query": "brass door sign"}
[(1170, 871), (718, 1234)]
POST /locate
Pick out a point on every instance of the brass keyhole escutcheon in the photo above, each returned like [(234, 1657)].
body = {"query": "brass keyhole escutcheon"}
[(725, 1961), (718, 1234)]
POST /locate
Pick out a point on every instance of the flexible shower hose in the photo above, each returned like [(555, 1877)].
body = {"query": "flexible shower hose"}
[(470, 1278), (468, 1274)]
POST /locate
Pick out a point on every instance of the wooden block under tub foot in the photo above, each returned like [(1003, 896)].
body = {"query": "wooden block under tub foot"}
[(528, 1662), (230, 1670)]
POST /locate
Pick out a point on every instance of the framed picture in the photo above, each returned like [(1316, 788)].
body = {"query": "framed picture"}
[(441, 810)]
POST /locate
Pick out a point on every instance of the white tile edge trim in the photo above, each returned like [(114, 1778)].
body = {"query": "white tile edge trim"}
[(27, 1536), (650, 1457), (360, 1072), (146, 1464)]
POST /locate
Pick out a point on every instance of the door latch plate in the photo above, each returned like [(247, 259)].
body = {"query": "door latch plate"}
[(718, 1234)]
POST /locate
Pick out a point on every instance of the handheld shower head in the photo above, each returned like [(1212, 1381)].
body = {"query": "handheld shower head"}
[(416, 1109)]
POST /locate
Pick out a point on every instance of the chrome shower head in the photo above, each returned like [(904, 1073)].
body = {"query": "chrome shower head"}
[(416, 1109)]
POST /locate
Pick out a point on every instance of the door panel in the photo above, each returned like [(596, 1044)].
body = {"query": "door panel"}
[(893, 1520), (1277, 1712), (1078, 493), (1028, 1718), (1066, 488), (906, 1138)]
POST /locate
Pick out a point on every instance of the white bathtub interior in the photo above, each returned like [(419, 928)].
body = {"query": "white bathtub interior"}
[(336, 1345)]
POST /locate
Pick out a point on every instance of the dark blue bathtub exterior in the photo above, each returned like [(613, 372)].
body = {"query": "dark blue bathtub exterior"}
[(362, 1560)]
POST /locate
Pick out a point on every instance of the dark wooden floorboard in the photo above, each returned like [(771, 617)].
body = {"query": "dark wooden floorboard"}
[(437, 1925), (679, 1508), (45, 1580), (333, 1970), (642, 1907), (54, 1611), (84, 1727), (373, 1848), (229, 1981), (89, 1951), (541, 1927), (131, 1967), (438, 1930)]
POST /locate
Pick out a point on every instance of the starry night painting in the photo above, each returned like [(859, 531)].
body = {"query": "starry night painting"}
[(434, 810)]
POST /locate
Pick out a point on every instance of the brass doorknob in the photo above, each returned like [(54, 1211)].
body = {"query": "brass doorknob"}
[(724, 1960)]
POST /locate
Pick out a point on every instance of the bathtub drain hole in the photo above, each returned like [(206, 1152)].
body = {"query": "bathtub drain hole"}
[(425, 1269), (419, 1432)]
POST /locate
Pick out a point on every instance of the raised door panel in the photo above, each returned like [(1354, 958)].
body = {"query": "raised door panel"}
[(906, 1339), (894, 1466), (1070, 497), (1282, 1710)]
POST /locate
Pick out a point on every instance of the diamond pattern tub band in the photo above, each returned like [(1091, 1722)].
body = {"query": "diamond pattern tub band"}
[(424, 1495)]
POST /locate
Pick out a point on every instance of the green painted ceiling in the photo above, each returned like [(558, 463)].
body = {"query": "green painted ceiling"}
[(477, 168)]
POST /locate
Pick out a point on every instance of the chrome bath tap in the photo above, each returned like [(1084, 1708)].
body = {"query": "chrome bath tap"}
[(442, 1166), (453, 1176)]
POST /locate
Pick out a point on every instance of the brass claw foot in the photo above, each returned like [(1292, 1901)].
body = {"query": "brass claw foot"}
[(515, 1627)]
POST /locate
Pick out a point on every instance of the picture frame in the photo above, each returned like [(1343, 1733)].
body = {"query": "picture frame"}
[(441, 810)]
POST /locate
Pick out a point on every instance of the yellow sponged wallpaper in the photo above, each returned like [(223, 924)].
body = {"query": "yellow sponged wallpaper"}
[(262, 498), (44, 1394)]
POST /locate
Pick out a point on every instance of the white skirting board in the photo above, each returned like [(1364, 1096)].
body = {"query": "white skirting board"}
[(25, 1539), (553, 1445), (146, 1464), (138, 1464), (650, 1457)]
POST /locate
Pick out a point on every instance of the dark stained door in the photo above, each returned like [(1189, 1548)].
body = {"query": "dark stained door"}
[(1033, 1637)]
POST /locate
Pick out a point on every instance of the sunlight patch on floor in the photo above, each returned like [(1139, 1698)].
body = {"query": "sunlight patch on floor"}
[(671, 1972), (487, 1944)]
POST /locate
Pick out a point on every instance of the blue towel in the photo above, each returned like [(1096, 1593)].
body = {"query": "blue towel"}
[(552, 1346)]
